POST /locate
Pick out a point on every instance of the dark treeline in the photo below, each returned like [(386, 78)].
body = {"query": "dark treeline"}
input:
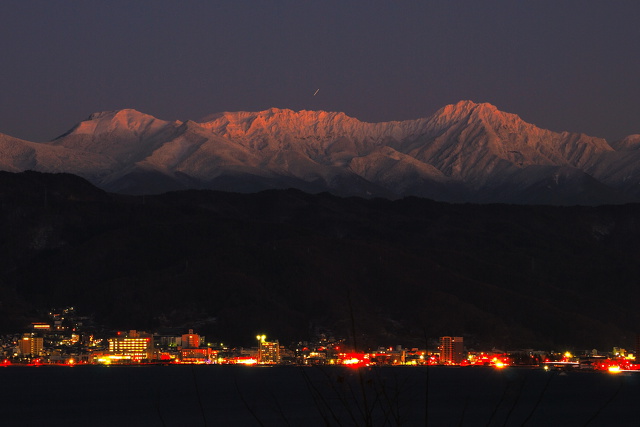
[(292, 265)]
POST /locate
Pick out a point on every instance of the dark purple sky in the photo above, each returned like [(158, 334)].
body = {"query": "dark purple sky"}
[(562, 65)]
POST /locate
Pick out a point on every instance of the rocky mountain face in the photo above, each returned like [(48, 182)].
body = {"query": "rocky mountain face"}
[(465, 152)]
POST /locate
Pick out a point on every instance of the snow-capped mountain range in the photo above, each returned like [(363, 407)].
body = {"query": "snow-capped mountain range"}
[(464, 152)]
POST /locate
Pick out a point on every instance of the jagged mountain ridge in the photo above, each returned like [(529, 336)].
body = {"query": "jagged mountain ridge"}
[(464, 152)]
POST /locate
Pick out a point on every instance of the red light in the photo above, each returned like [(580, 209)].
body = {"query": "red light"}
[(355, 360)]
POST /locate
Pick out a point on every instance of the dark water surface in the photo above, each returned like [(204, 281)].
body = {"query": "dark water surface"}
[(314, 396)]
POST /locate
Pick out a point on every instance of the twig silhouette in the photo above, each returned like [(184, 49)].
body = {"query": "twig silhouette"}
[(246, 404), (426, 380), (605, 404), (365, 410), (195, 384), (280, 411), (390, 406), (464, 411), (158, 408), (495, 409), (515, 403), (317, 395), (535, 407)]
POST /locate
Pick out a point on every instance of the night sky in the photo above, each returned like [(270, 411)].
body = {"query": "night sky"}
[(563, 65)]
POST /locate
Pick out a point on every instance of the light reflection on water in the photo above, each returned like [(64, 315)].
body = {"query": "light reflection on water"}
[(314, 396)]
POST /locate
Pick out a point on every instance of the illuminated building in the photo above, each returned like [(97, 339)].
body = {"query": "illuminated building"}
[(40, 326), (31, 345), (269, 352), (451, 349), (190, 340), (621, 352), (191, 352), (133, 346), (197, 355)]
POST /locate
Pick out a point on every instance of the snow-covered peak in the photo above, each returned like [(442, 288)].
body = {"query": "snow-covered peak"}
[(127, 120), (276, 123), (107, 124), (628, 143), (466, 144), (466, 107), (242, 123), (120, 114), (466, 113), (123, 135)]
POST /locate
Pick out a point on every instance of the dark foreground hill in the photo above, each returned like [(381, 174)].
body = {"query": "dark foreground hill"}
[(290, 265)]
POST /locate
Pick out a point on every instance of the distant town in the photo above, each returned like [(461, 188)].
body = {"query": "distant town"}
[(64, 340)]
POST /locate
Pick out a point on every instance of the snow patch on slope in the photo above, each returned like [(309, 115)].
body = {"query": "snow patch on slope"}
[(466, 145)]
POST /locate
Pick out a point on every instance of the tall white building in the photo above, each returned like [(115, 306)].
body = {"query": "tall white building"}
[(451, 350)]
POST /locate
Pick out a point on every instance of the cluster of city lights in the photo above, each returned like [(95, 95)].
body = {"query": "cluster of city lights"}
[(56, 344)]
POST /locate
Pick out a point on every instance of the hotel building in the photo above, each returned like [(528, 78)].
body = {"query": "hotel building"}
[(31, 345), (269, 352), (133, 346), (451, 350)]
